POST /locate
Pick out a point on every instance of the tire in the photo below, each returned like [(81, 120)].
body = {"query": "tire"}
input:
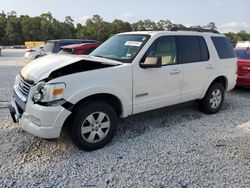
[(37, 57), (86, 131), (213, 100)]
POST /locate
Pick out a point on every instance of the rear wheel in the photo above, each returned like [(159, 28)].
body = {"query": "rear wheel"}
[(213, 100), (94, 125)]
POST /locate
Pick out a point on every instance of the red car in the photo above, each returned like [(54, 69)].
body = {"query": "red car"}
[(80, 49), (243, 55)]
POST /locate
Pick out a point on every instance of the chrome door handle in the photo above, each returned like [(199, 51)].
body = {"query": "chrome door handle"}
[(175, 71), (209, 66)]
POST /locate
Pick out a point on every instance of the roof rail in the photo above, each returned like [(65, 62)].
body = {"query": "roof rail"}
[(194, 29)]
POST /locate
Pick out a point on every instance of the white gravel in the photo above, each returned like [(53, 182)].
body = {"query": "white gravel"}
[(163, 148)]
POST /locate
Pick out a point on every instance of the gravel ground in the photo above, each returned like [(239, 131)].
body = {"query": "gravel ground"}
[(180, 147)]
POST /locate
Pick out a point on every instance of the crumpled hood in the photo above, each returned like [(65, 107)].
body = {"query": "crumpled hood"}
[(41, 68)]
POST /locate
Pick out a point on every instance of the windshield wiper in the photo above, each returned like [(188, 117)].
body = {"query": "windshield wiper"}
[(99, 56)]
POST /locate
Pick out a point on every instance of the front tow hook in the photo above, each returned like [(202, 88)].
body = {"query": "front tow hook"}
[(13, 114)]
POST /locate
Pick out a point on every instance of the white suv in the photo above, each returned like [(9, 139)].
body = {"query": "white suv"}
[(128, 74)]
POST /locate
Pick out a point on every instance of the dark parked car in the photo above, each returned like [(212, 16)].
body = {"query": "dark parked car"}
[(80, 49), (54, 46)]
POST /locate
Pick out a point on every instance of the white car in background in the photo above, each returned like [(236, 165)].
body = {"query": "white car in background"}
[(243, 44), (33, 53)]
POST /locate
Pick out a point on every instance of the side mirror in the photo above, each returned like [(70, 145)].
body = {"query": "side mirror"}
[(151, 62)]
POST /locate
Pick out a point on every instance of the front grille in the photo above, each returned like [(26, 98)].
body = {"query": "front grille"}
[(23, 86), (21, 90)]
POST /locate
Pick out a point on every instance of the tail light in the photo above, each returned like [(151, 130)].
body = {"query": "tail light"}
[(243, 70), (30, 50), (247, 69)]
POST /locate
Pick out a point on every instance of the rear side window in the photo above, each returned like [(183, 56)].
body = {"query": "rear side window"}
[(223, 47), (192, 49), (204, 49)]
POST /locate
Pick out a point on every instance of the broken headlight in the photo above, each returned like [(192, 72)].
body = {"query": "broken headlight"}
[(45, 93)]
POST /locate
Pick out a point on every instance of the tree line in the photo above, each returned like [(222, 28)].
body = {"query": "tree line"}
[(14, 30)]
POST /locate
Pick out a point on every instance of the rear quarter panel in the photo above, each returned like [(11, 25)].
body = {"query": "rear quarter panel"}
[(226, 68)]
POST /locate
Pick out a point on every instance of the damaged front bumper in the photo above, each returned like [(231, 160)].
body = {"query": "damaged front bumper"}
[(38, 120)]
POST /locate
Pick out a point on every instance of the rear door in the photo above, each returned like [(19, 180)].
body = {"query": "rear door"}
[(196, 64)]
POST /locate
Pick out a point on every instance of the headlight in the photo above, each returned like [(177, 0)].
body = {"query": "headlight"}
[(49, 92)]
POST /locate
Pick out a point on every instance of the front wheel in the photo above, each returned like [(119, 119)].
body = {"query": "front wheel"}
[(213, 100), (94, 125)]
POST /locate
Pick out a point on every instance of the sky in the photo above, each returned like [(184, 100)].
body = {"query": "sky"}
[(229, 15)]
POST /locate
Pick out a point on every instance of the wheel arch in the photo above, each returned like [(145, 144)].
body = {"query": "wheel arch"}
[(220, 79), (111, 99)]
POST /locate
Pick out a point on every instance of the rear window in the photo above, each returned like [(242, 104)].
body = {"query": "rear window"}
[(192, 49), (48, 47), (223, 47), (243, 54)]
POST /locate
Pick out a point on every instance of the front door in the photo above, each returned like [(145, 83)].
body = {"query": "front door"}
[(157, 87)]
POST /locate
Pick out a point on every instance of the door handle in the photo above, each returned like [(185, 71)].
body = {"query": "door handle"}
[(175, 71), (209, 66)]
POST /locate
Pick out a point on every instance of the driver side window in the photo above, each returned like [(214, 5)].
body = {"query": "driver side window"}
[(164, 47)]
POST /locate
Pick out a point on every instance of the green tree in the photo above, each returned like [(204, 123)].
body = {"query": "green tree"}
[(211, 25), (11, 13), (138, 26), (96, 28), (68, 20), (196, 27), (79, 31), (145, 25), (3, 21), (242, 36), (164, 25), (16, 30), (46, 26), (232, 37), (13, 31), (31, 28), (118, 26), (47, 16), (68, 27)]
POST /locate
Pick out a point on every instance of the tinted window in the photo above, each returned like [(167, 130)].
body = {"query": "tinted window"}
[(189, 49), (164, 47), (48, 46), (204, 49), (223, 47), (243, 54)]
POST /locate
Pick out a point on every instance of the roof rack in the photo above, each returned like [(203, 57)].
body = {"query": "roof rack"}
[(194, 29)]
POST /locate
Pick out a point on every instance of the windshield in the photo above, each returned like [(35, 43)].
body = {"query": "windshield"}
[(122, 48), (243, 54)]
